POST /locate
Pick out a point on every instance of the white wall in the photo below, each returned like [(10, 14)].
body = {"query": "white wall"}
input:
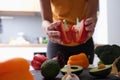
[(101, 33), (107, 27), (113, 9), (29, 25)]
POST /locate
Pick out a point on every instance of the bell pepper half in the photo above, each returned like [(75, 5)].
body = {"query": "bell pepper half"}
[(79, 32), (73, 34), (65, 31)]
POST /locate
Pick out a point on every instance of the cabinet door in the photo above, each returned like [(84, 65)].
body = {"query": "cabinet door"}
[(19, 5), (37, 5)]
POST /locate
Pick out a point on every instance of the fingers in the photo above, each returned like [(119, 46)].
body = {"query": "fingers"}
[(90, 27), (90, 20), (53, 33), (53, 26), (54, 36)]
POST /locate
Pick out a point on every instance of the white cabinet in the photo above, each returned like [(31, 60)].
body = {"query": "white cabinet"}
[(24, 52), (19, 6), (37, 5)]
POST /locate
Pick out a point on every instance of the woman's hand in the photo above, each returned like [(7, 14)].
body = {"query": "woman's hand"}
[(90, 26), (52, 32)]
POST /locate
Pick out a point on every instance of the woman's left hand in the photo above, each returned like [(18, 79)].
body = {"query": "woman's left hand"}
[(90, 26)]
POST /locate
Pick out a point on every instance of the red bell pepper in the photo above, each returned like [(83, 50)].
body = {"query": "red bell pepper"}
[(74, 36), (65, 31), (76, 33), (40, 57), (79, 32), (36, 64), (37, 61)]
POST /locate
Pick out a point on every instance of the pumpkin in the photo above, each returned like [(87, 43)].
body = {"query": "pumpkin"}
[(15, 69), (79, 59)]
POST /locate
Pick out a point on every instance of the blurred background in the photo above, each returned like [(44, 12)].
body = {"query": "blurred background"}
[(21, 33)]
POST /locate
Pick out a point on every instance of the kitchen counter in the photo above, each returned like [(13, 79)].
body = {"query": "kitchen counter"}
[(26, 51), (22, 50), (31, 45), (22, 45)]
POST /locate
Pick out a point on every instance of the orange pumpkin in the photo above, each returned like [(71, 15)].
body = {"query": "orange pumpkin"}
[(15, 69), (79, 59)]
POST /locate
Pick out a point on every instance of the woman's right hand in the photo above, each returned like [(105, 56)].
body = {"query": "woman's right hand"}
[(52, 32)]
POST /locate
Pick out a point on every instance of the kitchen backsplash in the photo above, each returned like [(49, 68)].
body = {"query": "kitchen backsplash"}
[(11, 26)]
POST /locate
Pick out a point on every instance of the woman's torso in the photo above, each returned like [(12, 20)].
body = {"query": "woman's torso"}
[(69, 10)]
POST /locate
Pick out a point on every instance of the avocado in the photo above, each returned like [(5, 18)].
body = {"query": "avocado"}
[(101, 73), (74, 69), (50, 69)]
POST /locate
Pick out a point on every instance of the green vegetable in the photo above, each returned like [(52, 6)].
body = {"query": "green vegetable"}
[(50, 69), (108, 53)]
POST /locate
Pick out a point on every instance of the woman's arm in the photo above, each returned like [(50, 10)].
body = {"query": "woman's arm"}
[(47, 22), (46, 13), (46, 10), (91, 20), (92, 8)]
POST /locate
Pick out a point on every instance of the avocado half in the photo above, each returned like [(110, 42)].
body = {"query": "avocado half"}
[(74, 69), (101, 73)]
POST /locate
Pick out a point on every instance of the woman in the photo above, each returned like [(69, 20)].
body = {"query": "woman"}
[(53, 11)]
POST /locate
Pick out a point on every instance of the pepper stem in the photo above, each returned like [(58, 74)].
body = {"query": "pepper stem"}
[(64, 22), (65, 25), (77, 21)]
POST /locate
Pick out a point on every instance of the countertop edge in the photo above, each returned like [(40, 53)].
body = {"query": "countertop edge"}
[(32, 45), (23, 45)]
